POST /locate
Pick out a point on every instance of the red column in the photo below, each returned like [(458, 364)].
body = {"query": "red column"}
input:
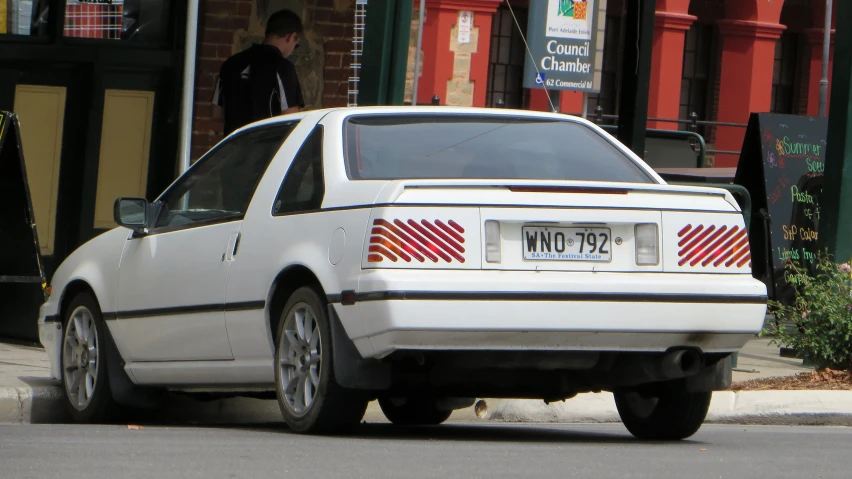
[(672, 22), (748, 56), (482, 19), (538, 100), (815, 38), (438, 58), (571, 102)]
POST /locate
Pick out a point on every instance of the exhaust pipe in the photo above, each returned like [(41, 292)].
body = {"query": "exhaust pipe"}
[(681, 363)]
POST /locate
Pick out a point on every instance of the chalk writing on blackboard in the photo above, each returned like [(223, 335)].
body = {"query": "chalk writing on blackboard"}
[(782, 165)]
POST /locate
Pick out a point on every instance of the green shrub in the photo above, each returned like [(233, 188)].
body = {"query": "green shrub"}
[(821, 312)]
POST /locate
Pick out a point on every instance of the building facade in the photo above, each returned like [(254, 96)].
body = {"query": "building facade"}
[(718, 59), (98, 84)]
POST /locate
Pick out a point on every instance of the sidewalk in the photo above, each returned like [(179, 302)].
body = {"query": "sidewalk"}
[(27, 395), (26, 392), (765, 362)]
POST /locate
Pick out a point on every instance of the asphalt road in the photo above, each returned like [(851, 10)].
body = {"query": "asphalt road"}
[(449, 451)]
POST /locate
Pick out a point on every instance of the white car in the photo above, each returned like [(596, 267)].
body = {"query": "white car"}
[(421, 256)]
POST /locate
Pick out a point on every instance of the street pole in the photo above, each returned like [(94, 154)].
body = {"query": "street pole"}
[(417, 52), (636, 74), (826, 48), (188, 87), (836, 219)]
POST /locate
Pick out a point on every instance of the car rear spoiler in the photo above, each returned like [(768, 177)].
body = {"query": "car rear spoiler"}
[(394, 189)]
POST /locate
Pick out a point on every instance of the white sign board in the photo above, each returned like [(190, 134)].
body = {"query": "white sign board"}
[(565, 38), (465, 26)]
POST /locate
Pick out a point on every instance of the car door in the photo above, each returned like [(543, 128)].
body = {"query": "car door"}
[(263, 243), (171, 281)]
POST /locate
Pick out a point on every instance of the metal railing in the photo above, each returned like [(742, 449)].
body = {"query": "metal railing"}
[(692, 125), (692, 137)]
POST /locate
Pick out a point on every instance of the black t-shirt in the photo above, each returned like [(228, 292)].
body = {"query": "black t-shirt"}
[(256, 84)]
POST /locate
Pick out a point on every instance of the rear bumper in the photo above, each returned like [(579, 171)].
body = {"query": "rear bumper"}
[(482, 310)]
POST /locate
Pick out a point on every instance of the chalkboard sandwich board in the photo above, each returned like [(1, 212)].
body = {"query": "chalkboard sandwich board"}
[(21, 273), (781, 164)]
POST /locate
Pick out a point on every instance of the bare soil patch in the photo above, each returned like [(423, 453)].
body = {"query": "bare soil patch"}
[(824, 379)]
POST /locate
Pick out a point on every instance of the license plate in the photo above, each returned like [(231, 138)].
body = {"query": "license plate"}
[(567, 244)]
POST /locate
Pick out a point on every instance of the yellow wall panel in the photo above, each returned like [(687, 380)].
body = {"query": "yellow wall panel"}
[(4, 16), (125, 146), (41, 110)]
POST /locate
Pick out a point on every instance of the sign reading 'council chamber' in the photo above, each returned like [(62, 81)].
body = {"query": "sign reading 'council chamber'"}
[(562, 36)]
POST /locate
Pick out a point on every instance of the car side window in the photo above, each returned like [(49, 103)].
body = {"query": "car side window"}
[(303, 187), (220, 188)]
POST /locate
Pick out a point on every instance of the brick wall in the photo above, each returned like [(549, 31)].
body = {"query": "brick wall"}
[(221, 24), (335, 24), (218, 20), (412, 52)]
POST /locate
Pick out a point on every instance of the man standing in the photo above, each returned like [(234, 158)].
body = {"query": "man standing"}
[(261, 82)]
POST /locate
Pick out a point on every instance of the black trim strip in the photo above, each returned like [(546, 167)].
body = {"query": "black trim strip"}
[(22, 279), (598, 332), (334, 298), (556, 296), (245, 306), (194, 309), (472, 205), (53, 318), (197, 224)]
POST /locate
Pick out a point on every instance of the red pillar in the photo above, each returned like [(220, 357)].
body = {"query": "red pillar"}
[(815, 38), (482, 19), (671, 25), (538, 100), (748, 56), (437, 59), (571, 102), (439, 67)]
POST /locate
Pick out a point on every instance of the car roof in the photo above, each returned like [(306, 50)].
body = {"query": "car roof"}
[(339, 114), (342, 112)]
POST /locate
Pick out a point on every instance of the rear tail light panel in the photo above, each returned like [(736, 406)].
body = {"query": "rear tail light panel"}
[(423, 238), (621, 224), (706, 243)]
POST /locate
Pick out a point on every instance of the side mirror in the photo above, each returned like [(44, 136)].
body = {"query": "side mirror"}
[(131, 213)]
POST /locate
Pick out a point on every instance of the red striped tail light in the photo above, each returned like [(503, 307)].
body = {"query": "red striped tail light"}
[(712, 246), (416, 240)]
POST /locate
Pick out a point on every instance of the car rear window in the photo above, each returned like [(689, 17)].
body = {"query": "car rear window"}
[(482, 147)]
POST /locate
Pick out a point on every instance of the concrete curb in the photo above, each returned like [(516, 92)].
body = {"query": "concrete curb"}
[(43, 404), (747, 407), (46, 404)]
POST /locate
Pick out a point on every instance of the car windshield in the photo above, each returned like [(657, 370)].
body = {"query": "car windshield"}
[(482, 147)]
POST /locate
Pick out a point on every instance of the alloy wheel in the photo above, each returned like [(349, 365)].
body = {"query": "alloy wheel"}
[(81, 357), (301, 359)]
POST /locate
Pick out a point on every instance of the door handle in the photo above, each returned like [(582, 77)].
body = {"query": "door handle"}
[(236, 245), (231, 249)]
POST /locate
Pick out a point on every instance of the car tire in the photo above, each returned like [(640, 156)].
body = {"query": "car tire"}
[(670, 413), (84, 362), (413, 411), (315, 403)]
